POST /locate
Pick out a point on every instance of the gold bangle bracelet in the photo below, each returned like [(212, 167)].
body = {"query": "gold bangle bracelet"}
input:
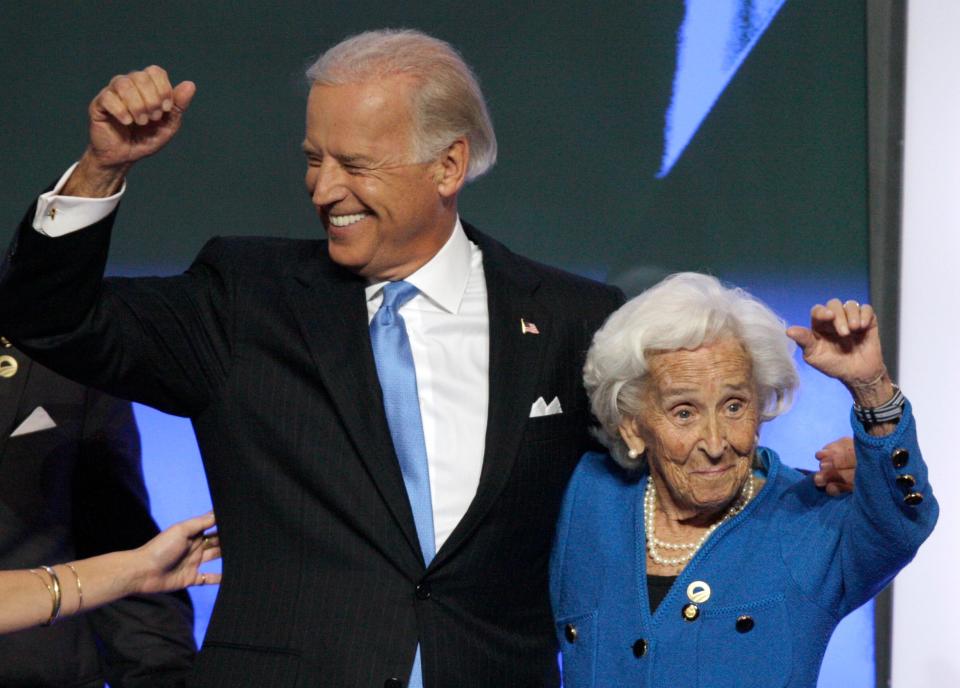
[(79, 587), (57, 595), (49, 588), (53, 595)]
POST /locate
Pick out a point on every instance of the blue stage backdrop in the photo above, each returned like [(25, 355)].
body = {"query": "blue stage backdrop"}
[(636, 139)]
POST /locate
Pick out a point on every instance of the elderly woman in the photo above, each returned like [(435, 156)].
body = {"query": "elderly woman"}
[(690, 556)]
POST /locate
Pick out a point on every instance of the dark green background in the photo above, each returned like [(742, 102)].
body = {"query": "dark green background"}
[(774, 182), (771, 193)]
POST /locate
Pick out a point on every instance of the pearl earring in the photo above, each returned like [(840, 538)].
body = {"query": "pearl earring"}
[(633, 453)]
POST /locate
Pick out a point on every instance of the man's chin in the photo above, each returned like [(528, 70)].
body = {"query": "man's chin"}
[(345, 258)]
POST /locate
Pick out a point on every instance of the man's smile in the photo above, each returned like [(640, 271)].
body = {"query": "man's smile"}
[(345, 220)]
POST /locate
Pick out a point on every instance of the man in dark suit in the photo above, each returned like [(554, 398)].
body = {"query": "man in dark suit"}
[(348, 560), (71, 486)]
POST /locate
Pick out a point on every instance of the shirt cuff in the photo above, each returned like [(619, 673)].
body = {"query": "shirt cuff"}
[(59, 215)]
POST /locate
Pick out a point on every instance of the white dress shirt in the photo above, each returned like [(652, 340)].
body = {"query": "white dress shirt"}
[(57, 215), (447, 323)]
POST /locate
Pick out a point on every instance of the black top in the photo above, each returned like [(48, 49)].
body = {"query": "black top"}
[(657, 589)]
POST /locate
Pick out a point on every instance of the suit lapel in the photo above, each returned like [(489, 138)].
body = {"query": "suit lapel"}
[(331, 307), (11, 389), (515, 360)]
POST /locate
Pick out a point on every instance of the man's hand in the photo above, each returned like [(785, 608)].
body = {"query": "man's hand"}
[(134, 116), (838, 463)]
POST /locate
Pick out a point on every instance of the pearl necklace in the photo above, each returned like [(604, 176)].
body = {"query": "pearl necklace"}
[(688, 548)]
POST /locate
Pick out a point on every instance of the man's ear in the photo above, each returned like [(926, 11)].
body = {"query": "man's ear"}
[(451, 169), (628, 431)]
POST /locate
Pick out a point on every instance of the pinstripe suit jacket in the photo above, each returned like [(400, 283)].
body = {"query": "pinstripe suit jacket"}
[(264, 344)]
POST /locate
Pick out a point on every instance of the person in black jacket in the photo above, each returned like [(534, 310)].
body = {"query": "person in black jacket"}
[(71, 487)]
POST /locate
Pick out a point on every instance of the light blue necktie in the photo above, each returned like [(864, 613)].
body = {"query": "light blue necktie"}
[(398, 380)]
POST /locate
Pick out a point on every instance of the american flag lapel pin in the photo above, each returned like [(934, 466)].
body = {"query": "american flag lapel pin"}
[(528, 327)]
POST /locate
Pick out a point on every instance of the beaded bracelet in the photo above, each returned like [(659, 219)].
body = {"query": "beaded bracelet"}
[(888, 412)]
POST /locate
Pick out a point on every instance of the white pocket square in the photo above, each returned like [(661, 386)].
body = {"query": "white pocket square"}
[(542, 408), (35, 422)]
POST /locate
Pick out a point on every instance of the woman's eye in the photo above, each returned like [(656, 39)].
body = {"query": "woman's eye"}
[(684, 414), (735, 406)]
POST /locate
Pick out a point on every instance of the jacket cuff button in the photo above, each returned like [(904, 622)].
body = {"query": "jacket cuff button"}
[(906, 481), (913, 499), (570, 633), (900, 457), (744, 624)]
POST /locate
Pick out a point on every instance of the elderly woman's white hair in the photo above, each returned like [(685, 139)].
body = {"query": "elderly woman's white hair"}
[(684, 311), (447, 103)]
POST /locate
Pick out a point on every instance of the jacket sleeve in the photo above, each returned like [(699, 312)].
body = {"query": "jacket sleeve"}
[(145, 640), (849, 548), (162, 341)]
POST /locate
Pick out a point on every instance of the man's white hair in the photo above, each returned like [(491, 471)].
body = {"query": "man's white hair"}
[(684, 311), (447, 103)]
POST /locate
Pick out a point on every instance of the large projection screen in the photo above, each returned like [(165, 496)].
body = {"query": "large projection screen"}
[(636, 139)]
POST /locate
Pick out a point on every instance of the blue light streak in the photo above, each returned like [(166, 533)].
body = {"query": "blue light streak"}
[(715, 38)]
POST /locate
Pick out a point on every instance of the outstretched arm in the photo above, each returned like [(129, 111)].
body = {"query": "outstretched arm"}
[(865, 540), (170, 561), (162, 342)]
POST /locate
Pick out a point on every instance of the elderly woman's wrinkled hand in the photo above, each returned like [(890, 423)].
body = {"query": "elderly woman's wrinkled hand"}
[(843, 341)]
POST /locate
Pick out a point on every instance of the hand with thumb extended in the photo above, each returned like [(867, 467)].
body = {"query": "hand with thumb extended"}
[(843, 342), (133, 117)]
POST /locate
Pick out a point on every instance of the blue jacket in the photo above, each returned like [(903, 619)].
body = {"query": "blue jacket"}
[(782, 573)]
